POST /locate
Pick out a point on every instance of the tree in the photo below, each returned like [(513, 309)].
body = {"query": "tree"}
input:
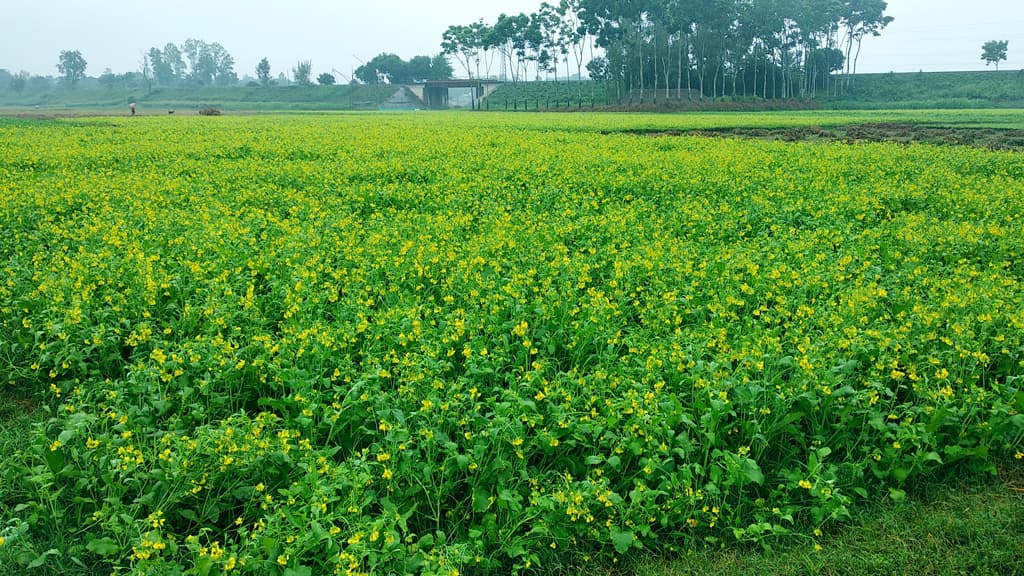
[(302, 72), (325, 79), (440, 68), (768, 48), (173, 58), (207, 63), (162, 71), (384, 69), (419, 68), (862, 18), (71, 66), (263, 72), (598, 69), (458, 41), (993, 51), (224, 66)]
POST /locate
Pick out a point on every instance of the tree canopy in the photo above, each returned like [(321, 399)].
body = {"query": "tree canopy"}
[(994, 51), (302, 73), (195, 61), (389, 68), (765, 48), (71, 66), (263, 72)]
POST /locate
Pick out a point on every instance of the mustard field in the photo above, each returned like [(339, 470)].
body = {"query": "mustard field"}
[(466, 344)]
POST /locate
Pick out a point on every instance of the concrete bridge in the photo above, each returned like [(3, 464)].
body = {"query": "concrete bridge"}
[(436, 93)]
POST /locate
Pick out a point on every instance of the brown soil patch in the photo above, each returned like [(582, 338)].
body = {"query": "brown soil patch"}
[(991, 138)]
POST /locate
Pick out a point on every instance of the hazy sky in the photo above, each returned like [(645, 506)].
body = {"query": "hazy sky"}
[(927, 35)]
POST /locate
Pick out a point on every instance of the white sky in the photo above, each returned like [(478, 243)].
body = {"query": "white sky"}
[(929, 35)]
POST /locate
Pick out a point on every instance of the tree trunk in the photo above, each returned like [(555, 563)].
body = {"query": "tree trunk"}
[(640, 55), (857, 57), (754, 59)]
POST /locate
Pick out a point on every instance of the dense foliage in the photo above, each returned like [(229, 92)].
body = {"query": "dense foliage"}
[(445, 344), (196, 62), (765, 48)]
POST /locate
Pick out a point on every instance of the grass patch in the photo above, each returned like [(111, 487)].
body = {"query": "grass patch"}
[(968, 525)]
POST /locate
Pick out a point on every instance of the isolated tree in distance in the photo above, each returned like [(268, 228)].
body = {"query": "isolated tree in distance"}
[(325, 79), (994, 51), (302, 72), (263, 72), (71, 66)]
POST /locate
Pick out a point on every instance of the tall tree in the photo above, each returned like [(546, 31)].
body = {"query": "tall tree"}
[(509, 36), (71, 66), (223, 65), (173, 58), (862, 18), (263, 72), (462, 42), (302, 73), (769, 48), (162, 71), (994, 51), (207, 63), (575, 31)]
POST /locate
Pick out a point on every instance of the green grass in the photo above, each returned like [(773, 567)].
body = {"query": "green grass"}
[(951, 528), (18, 416), (159, 100), (918, 90), (1004, 88)]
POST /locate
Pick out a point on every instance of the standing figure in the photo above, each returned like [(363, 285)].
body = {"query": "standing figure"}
[(131, 107)]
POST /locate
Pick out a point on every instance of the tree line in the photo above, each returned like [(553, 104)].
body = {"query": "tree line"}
[(201, 63), (195, 62), (763, 48)]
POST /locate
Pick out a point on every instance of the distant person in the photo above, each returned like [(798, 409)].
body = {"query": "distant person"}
[(131, 107)]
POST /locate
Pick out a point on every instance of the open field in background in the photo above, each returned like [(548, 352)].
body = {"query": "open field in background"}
[(458, 343), (1002, 89)]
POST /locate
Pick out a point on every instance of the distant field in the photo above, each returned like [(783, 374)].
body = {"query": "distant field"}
[(189, 100), (455, 343), (923, 91)]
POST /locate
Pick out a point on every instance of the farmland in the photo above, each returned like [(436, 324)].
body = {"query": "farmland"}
[(452, 344)]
